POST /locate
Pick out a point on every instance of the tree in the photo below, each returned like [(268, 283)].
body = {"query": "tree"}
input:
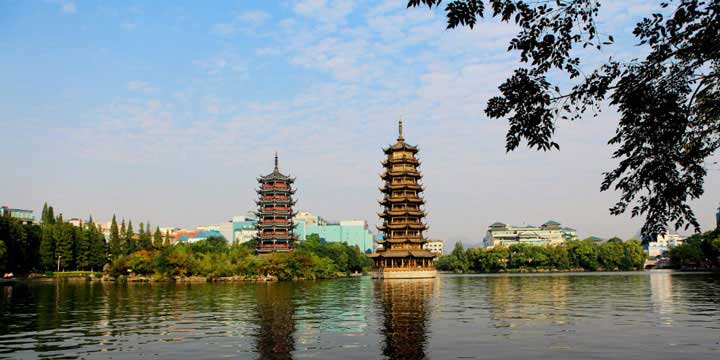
[(668, 100), (157, 238), (130, 245), (166, 242), (82, 245), (123, 238), (44, 216), (114, 241), (144, 242), (98, 248), (50, 215), (63, 235), (47, 247)]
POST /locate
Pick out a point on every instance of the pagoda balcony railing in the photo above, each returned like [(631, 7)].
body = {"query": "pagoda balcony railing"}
[(280, 245), (286, 202), (275, 190), (275, 197), (275, 208), (275, 186), (275, 222)]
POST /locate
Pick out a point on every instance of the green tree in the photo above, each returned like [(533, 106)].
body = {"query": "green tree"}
[(144, 242), (130, 245), (462, 263), (3, 257), (82, 245), (47, 247), (98, 248), (157, 238), (667, 99), (114, 242), (166, 241), (123, 238), (63, 236), (50, 215)]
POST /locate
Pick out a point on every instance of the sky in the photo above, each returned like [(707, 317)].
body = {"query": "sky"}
[(167, 111)]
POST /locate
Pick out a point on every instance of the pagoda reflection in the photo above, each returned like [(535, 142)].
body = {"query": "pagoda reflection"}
[(275, 320), (406, 309)]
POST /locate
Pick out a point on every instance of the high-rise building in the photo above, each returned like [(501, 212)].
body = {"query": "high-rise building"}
[(434, 246), (550, 232), (351, 232), (402, 255), (663, 243), (275, 225), (25, 216)]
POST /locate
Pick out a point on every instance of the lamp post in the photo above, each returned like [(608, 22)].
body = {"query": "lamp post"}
[(58, 265)]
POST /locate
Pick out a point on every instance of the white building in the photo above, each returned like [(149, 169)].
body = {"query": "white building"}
[(550, 232), (434, 246), (663, 243)]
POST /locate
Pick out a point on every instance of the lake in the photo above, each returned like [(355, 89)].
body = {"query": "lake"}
[(645, 315)]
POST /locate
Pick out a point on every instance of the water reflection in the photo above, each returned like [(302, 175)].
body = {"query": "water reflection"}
[(561, 316), (276, 323), (405, 316)]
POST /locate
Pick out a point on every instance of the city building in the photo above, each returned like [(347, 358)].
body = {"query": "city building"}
[(244, 229), (402, 255), (434, 246), (663, 243), (25, 216), (550, 232), (191, 236), (76, 222), (351, 232), (275, 225)]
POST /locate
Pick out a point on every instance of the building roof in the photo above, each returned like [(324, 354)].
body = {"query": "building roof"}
[(551, 222), (497, 224), (400, 144), (276, 174)]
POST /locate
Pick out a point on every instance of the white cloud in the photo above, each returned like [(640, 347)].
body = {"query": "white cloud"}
[(324, 11), (66, 7), (247, 23), (141, 86)]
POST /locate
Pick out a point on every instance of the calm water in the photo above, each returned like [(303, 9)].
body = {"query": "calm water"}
[(656, 315)]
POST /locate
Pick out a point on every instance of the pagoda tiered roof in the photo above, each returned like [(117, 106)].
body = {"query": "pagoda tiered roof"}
[(397, 173), (276, 175), (401, 160), (393, 213), (275, 190), (410, 186), (412, 226), (400, 199)]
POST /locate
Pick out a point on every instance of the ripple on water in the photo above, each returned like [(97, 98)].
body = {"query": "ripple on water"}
[(565, 316)]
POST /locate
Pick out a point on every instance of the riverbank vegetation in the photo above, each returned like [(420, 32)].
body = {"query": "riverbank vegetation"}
[(699, 250), (212, 258), (56, 244), (613, 255)]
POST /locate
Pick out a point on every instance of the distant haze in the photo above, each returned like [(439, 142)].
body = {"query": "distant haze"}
[(167, 112)]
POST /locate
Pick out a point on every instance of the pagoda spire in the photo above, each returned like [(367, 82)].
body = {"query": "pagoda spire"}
[(400, 130), (276, 162)]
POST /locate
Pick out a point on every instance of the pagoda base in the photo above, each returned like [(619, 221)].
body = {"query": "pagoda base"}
[(399, 273)]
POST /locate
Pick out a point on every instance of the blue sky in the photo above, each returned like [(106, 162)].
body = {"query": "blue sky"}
[(167, 111)]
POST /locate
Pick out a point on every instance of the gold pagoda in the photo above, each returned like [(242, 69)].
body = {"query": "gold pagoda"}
[(402, 255)]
